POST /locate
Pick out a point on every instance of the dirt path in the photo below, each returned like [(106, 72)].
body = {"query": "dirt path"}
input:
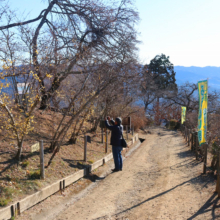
[(160, 180)]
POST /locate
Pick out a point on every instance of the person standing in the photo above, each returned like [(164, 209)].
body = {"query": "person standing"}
[(116, 137)]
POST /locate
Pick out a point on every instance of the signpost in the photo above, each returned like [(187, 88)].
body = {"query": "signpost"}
[(39, 147), (127, 122), (102, 124)]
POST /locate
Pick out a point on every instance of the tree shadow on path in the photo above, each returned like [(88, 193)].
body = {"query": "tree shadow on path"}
[(209, 206), (212, 201)]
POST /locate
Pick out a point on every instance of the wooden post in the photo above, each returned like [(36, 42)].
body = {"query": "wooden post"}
[(42, 176), (184, 132), (188, 137), (218, 177), (102, 136), (129, 121), (12, 211), (205, 158), (85, 148), (192, 138), (194, 141), (197, 145), (106, 141), (127, 131), (18, 209), (132, 130)]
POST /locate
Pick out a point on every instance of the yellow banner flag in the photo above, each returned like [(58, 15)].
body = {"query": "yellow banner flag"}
[(183, 114), (203, 110)]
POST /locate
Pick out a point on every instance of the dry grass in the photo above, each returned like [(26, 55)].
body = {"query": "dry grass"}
[(23, 179)]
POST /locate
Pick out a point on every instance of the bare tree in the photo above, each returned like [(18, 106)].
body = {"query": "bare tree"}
[(186, 96), (89, 43), (98, 81), (79, 28)]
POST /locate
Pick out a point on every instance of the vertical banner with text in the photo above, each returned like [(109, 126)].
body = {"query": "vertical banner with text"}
[(203, 110), (183, 114)]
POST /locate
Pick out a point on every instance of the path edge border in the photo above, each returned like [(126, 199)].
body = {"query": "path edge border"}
[(20, 206)]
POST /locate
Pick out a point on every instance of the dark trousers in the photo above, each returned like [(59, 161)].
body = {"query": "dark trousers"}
[(116, 151)]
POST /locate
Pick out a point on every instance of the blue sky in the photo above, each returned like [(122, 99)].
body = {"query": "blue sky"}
[(186, 30)]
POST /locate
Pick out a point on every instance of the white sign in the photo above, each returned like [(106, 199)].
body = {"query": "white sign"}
[(35, 147)]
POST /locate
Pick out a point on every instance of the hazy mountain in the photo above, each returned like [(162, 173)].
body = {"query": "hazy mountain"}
[(194, 74)]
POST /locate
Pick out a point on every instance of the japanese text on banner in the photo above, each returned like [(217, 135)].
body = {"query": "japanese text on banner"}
[(183, 114), (203, 109)]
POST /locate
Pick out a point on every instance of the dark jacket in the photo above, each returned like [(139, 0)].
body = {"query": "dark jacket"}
[(117, 131)]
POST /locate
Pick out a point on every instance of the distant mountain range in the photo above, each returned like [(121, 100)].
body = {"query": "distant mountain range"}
[(194, 74), (191, 74)]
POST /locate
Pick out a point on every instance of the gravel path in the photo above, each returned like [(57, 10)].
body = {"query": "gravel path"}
[(160, 180)]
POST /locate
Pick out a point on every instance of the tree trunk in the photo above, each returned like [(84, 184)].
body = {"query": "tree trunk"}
[(214, 163), (61, 134), (52, 146), (94, 128), (158, 100), (145, 107), (75, 134), (72, 140), (53, 155), (18, 155), (46, 95), (43, 104)]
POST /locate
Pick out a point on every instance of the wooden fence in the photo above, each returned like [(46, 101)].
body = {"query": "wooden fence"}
[(191, 138), (201, 152)]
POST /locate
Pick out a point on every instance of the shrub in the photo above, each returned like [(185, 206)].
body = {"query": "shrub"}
[(25, 163), (33, 174), (5, 195), (4, 201), (138, 119), (173, 124)]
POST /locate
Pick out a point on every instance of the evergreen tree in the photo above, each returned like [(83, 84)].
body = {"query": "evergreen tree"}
[(163, 75)]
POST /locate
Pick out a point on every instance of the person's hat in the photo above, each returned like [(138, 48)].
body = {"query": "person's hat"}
[(118, 120)]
